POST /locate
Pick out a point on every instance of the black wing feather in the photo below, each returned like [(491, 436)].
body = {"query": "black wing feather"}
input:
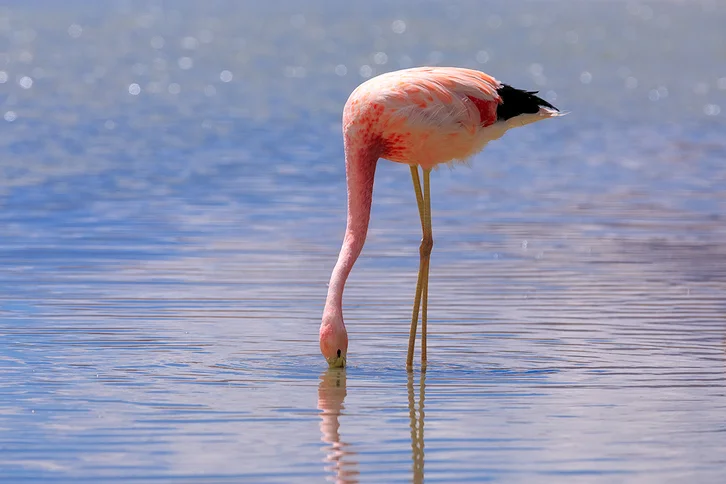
[(516, 102)]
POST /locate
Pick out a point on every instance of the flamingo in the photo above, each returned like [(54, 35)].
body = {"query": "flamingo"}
[(420, 117)]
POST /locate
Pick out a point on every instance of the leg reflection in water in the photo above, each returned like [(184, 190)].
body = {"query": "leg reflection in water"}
[(417, 426), (331, 397), (339, 458)]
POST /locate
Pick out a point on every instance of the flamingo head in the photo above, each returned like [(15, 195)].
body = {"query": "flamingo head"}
[(334, 340)]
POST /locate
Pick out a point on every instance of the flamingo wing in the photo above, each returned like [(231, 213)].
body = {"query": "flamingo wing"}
[(432, 115), (442, 98)]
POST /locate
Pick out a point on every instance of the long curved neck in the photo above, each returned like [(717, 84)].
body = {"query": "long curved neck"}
[(360, 169)]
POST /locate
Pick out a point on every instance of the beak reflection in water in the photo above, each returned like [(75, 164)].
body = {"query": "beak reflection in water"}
[(331, 397)]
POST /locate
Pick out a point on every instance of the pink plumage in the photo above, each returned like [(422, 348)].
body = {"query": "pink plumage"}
[(427, 115), (421, 117)]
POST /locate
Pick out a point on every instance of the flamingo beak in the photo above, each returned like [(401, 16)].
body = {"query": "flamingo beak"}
[(337, 361)]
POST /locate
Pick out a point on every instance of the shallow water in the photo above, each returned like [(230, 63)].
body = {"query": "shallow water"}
[(172, 200)]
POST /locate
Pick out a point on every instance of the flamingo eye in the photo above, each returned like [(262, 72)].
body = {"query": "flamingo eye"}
[(338, 353)]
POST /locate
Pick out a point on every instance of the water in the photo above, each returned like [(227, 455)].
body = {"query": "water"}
[(172, 200)]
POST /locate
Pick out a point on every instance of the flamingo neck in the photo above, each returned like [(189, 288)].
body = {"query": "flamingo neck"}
[(360, 169)]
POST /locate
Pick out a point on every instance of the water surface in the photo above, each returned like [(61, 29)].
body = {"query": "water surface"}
[(172, 199)]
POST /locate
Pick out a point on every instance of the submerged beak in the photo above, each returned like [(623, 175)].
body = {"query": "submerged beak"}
[(337, 362)]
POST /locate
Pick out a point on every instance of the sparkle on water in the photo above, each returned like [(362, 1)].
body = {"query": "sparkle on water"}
[(172, 197)]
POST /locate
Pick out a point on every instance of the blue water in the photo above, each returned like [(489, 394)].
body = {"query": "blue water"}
[(172, 200)]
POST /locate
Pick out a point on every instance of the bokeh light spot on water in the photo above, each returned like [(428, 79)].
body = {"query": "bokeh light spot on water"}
[(701, 88), (25, 82), (206, 36), (226, 76), (185, 63), (482, 57), (75, 30), (134, 89), (494, 22), (26, 57), (712, 109), (157, 42), (189, 43), (398, 26)]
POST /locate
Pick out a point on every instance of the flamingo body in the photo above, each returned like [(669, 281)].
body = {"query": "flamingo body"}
[(429, 115), (421, 117)]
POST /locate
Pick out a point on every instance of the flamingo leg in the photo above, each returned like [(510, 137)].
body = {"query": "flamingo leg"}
[(422, 283), (427, 245), (417, 299)]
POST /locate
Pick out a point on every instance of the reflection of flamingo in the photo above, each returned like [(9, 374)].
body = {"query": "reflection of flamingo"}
[(421, 117), (417, 426), (331, 396)]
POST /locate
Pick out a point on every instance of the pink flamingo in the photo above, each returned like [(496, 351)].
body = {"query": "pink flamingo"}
[(421, 117)]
